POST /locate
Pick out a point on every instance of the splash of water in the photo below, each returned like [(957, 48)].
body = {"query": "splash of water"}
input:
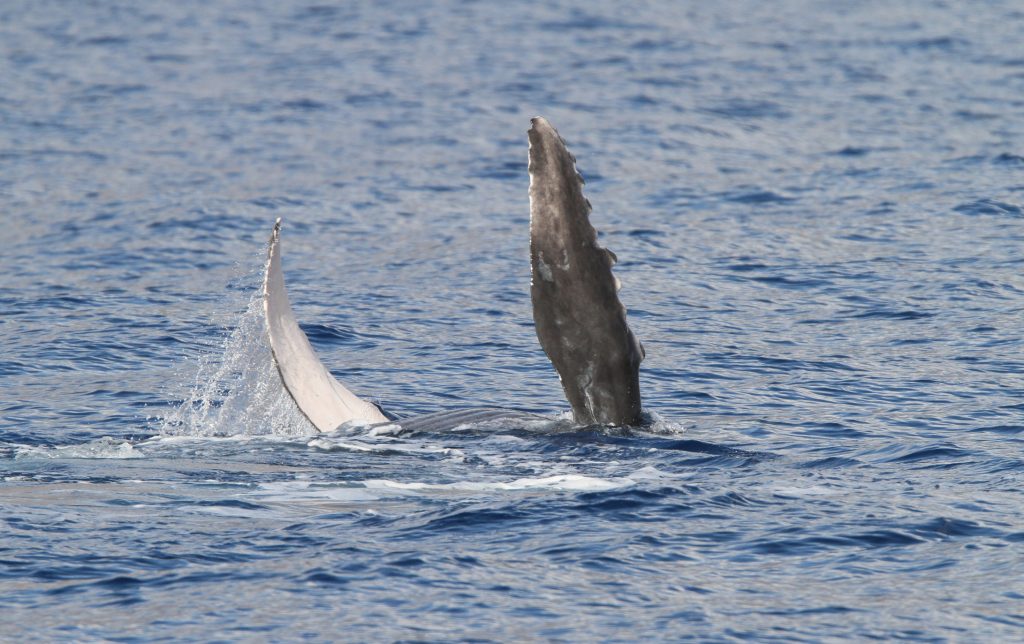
[(239, 392)]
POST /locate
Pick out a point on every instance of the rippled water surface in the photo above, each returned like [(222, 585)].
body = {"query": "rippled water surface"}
[(817, 209)]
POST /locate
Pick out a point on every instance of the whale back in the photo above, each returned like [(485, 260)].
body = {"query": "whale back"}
[(469, 417)]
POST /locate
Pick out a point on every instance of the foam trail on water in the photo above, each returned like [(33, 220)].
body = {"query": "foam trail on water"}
[(102, 448), (239, 392)]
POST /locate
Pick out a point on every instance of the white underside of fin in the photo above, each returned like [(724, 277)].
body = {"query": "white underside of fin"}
[(323, 400)]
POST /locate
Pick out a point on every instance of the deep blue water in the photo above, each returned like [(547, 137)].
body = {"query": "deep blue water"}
[(817, 208)]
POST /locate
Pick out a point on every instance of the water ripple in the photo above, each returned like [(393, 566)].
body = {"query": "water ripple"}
[(816, 214)]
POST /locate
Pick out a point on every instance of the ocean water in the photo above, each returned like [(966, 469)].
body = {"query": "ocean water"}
[(818, 211)]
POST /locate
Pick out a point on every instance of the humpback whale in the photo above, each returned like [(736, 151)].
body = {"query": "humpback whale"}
[(580, 322)]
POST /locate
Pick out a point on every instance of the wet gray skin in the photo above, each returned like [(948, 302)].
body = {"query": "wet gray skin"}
[(580, 322)]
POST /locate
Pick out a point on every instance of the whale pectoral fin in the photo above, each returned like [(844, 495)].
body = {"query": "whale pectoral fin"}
[(321, 398), (580, 322)]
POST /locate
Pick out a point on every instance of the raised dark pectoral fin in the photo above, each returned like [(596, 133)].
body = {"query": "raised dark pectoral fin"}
[(321, 398), (580, 322)]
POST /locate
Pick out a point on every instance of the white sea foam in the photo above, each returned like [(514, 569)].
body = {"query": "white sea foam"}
[(389, 429), (663, 427), (102, 448), (300, 491), (341, 446), (291, 492), (378, 444), (375, 489), (187, 439), (799, 492), (558, 482)]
